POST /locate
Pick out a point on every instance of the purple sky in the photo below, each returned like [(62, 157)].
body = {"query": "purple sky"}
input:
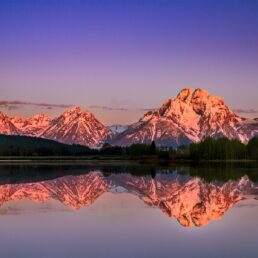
[(131, 55)]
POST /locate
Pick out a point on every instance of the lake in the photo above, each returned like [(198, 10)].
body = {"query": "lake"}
[(128, 211)]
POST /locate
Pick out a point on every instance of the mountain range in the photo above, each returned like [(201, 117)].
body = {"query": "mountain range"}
[(190, 117)]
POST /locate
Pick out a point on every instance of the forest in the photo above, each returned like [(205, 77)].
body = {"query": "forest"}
[(208, 149)]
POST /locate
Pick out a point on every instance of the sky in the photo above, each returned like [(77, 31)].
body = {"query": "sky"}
[(121, 58)]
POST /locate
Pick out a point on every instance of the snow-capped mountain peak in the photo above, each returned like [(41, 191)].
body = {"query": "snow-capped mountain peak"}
[(6, 125), (32, 126), (76, 126), (192, 116), (185, 94)]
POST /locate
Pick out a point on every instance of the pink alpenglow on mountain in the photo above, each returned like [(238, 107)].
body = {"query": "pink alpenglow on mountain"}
[(6, 126), (33, 126), (76, 126), (192, 116)]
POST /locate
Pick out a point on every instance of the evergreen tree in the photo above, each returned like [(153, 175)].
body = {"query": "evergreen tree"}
[(252, 148), (152, 148)]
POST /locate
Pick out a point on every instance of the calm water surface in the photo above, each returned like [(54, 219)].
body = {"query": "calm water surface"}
[(128, 212)]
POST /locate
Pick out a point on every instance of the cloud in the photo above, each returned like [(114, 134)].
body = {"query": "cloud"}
[(147, 109), (120, 108), (13, 107), (108, 108), (245, 111), (16, 104)]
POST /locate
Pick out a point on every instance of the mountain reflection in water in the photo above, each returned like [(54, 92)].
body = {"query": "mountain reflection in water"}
[(193, 201)]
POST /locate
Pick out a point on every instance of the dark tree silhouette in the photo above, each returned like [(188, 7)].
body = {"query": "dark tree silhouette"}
[(152, 148)]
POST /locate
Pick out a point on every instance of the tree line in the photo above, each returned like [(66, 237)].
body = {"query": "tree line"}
[(208, 149), (224, 149)]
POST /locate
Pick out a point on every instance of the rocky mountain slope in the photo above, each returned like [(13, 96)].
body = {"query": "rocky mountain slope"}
[(33, 126), (192, 116), (76, 126), (6, 126), (117, 129)]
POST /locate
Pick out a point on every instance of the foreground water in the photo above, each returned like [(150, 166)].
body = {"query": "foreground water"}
[(132, 211)]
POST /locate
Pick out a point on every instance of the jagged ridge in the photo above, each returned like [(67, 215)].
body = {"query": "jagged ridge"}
[(76, 126), (191, 117)]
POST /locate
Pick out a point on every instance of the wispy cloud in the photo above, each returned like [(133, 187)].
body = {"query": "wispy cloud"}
[(120, 108), (108, 108), (245, 111), (147, 109), (16, 104)]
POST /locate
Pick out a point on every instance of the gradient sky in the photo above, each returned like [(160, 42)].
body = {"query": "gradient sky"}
[(127, 54)]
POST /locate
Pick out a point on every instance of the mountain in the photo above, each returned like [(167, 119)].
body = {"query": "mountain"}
[(194, 115), (33, 126), (6, 125), (76, 126)]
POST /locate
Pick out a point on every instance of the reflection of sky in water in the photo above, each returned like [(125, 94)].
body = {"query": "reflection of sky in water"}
[(122, 225)]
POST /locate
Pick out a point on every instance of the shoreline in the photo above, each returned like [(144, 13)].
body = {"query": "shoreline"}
[(76, 160)]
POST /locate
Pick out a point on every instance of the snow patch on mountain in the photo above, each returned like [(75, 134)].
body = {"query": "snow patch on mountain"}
[(116, 129)]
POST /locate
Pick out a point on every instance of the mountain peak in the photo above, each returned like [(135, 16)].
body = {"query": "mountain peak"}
[(2, 115), (201, 92), (194, 115), (32, 126), (188, 94), (76, 126), (185, 94), (6, 125), (40, 116), (77, 111), (74, 109)]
